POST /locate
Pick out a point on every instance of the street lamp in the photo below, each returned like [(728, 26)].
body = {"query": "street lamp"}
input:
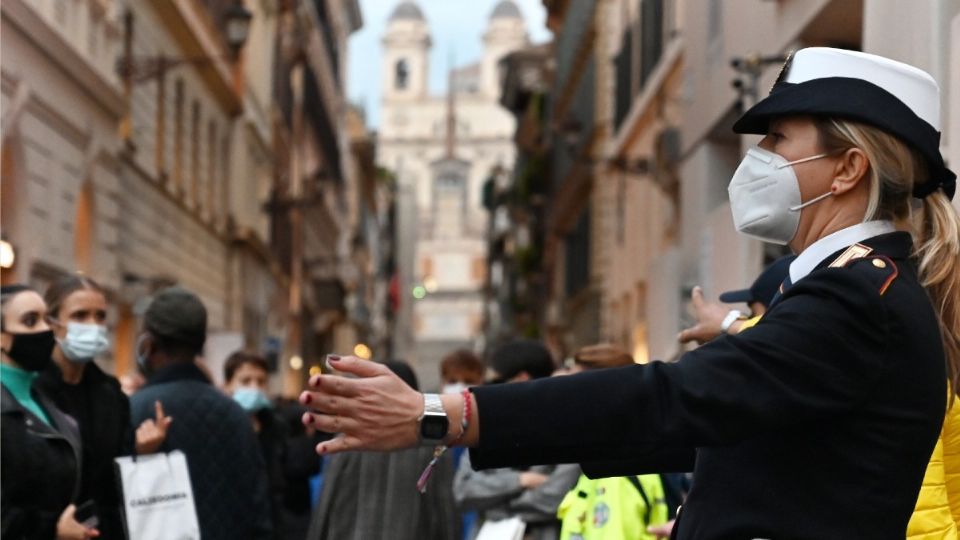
[(136, 69), (237, 22), (749, 69), (7, 255)]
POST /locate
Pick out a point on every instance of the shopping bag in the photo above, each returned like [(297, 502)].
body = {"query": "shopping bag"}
[(502, 529), (157, 497)]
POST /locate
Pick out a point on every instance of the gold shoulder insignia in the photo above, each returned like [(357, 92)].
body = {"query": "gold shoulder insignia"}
[(856, 251), (882, 270)]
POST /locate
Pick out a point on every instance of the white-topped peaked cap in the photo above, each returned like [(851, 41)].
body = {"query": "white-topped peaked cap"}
[(897, 98), (911, 85)]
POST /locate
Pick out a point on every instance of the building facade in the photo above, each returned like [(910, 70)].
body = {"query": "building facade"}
[(637, 129), (673, 151), (441, 150), (142, 148)]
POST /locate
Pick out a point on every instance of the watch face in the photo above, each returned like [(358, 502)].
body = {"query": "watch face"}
[(434, 427)]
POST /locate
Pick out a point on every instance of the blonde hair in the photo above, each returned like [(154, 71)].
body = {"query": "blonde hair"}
[(895, 168)]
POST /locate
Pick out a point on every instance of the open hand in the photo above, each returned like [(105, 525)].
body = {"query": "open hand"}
[(709, 316), (374, 411), (152, 433)]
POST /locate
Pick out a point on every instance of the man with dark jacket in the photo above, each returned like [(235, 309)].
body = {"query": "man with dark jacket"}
[(227, 471)]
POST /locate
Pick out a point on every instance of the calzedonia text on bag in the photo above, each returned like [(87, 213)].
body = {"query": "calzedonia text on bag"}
[(158, 499)]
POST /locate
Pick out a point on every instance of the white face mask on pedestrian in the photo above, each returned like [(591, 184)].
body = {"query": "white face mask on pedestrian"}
[(765, 196), (453, 388), (84, 342)]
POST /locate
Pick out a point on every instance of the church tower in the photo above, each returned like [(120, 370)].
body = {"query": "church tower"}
[(506, 32), (406, 47)]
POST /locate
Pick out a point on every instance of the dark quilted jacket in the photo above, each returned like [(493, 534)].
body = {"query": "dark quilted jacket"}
[(227, 470)]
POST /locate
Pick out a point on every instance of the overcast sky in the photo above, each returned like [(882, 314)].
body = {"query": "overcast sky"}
[(455, 25)]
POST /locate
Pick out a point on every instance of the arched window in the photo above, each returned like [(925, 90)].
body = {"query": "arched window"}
[(401, 73)]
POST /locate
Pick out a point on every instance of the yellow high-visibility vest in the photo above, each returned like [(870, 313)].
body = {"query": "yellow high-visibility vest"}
[(613, 508)]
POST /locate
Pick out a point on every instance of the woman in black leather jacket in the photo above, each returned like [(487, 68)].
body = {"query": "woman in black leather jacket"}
[(41, 445)]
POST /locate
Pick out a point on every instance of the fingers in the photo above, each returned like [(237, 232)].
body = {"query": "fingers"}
[(69, 511), (327, 403), (358, 366), (696, 298), (340, 443), (158, 409), (336, 385), (329, 423)]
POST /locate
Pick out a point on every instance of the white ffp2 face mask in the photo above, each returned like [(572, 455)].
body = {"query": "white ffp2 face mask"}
[(765, 196)]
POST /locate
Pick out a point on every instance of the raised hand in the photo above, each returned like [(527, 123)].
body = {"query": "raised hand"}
[(709, 317), (152, 433)]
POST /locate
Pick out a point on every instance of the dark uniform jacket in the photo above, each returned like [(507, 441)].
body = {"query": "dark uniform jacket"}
[(39, 468), (816, 423), (103, 412), (227, 471)]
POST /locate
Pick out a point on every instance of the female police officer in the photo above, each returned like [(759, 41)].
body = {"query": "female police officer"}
[(817, 422)]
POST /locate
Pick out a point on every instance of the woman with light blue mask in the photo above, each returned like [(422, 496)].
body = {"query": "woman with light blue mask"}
[(78, 317), (287, 453)]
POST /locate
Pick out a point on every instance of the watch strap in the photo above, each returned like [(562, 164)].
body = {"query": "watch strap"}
[(732, 316), (432, 404)]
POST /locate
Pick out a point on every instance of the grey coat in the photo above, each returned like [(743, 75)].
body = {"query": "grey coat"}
[(496, 494), (373, 496)]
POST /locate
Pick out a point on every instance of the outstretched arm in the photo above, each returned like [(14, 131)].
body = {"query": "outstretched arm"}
[(780, 372), (376, 410)]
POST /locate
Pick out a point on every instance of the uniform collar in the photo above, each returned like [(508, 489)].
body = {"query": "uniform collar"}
[(817, 252)]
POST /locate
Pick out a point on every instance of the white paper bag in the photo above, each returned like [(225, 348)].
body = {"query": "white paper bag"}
[(503, 529), (157, 497)]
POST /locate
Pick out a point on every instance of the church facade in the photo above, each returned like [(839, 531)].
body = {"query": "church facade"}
[(441, 149)]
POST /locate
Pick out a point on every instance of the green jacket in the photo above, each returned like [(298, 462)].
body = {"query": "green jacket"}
[(613, 508)]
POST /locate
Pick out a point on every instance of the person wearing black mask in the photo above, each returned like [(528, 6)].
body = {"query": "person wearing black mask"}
[(41, 444)]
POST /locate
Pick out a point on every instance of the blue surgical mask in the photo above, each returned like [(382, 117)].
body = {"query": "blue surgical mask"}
[(84, 342), (251, 399)]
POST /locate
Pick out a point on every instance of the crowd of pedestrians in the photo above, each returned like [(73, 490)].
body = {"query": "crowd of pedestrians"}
[(250, 458)]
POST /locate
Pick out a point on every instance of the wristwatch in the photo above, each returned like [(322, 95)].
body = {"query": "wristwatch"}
[(733, 315), (433, 423)]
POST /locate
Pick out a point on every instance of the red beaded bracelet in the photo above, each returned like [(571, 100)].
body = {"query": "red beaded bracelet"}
[(441, 448)]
